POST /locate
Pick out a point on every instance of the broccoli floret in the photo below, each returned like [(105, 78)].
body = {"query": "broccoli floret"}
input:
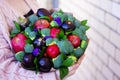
[(65, 46)]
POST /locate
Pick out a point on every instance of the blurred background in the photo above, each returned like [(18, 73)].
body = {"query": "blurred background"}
[(102, 61)]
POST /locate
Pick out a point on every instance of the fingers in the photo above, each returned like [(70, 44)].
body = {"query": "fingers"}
[(49, 76), (80, 59), (57, 75), (72, 69)]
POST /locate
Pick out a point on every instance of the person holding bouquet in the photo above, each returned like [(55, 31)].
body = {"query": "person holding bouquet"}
[(10, 69)]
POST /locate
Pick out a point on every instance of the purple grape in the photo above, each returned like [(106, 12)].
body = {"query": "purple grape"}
[(35, 30), (58, 20), (46, 37), (36, 52)]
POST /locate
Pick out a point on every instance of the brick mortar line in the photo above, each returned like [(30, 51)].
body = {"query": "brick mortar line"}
[(115, 2), (97, 69), (105, 50), (103, 9), (108, 60), (98, 19)]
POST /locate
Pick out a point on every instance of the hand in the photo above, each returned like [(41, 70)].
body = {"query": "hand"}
[(72, 69)]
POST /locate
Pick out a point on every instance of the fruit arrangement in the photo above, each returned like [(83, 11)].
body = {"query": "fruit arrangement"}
[(49, 40)]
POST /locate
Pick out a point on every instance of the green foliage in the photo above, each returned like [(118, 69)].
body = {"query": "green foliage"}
[(49, 41), (65, 46), (14, 32), (29, 33), (45, 32), (63, 72), (69, 61), (44, 17), (71, 18), (84, 22), (80, 33), (57, 13), (28, 41), (84, 44), (53, 24), (57, 62), (32, 18), (32, 35), (77, 23), (78, 52), (64, 17), (55, 40), (19, 56), (28, 48), (61, 35), (17, 25), (36, 64), (27, 30)]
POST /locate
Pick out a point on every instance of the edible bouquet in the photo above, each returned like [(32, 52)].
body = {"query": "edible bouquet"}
[(48, 40)]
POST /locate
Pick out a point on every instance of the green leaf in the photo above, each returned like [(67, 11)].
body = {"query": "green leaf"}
[(69, 61), (84, 22), (28, 48), (32, 35), (63, 72), (61, 35), (19, 56), (12, 35), (39, 31), (17, 25), (78, 52), (71, 18), (14, 31), (44, 17), (42, 51), (49, 41), (84, 44), (64, 17), (29, 41), (87, 27), (57, 13), (21, 20), (27, 30), (36, 64), (32, 18), (45, 32), (53, 24)]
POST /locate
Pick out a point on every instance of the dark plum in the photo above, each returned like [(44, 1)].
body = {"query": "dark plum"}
[(45, 64), (68, 26), (43, 12), (39, 42), (28, 61)]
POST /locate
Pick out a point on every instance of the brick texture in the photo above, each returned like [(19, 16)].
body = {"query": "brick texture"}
[(102, 61)]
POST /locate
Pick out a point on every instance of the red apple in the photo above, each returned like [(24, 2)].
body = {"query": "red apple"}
[(54, 32), (18, 42), (53, 51), (41, 24), (75, 40)]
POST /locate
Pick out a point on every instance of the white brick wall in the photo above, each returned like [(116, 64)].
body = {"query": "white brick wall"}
[(102, 61)]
